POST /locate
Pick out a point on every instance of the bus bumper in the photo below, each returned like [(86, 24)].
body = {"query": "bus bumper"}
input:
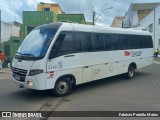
[(31, 82)]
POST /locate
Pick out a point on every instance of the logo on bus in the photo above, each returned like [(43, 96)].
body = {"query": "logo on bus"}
[(133, 53), (136, 53), (126, 53), (51, 75)]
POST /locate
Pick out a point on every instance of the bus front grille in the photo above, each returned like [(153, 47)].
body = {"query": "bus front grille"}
[(19, 74)]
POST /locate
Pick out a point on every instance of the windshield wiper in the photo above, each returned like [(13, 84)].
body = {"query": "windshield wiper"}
[(19, 53), (25, 56), (28, 55)]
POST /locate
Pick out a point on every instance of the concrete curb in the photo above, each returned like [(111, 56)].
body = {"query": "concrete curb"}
[(156, 62)]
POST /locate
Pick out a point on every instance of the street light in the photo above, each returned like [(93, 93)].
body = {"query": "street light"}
[(94, 19)]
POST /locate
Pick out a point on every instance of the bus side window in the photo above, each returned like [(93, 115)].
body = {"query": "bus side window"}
[(141, 41), (88, 42), (115, 41), (97, 42), (78, 41), (65, 43), (82, 42), (108, 42), (150, 42), (133, 42), (125, 41)]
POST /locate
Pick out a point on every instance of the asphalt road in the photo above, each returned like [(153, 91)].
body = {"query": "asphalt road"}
[(111, 94)]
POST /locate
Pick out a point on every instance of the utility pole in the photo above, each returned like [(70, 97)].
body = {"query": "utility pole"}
[(94, 17), (94, 13)]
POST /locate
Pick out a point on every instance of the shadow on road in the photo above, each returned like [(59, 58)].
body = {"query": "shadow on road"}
[(29, 94), (25, 93), (108, 81)]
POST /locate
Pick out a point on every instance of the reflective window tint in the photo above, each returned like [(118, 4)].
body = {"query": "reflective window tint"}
[(108, 42), (133, 43), (146, 41), (124, 41), (66, 44), (77, 41), (116, 43), (142, 41), (73, 42), (82, 41), (88, 41), (97, 42), (150, 42)]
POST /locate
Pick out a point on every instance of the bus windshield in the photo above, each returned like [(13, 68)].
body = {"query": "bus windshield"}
[(37, 42)]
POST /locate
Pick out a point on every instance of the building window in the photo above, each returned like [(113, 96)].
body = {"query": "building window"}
[(46, 9), (159, 21), (151, 28)]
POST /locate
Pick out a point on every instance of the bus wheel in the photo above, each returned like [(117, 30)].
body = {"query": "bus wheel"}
[(130, 73), (63, 87)]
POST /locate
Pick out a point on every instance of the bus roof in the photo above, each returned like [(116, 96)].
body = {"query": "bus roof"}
[(66, 26)]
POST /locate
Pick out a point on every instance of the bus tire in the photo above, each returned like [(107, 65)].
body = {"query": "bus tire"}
[(131, 72), (62, 87)]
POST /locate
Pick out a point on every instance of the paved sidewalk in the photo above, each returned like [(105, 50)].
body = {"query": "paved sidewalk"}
[(6, 70), (157, 59), (5, 73)]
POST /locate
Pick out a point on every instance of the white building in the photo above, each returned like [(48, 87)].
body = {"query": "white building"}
[(152, 24), (117, 22), (9, 30), (136, 12)]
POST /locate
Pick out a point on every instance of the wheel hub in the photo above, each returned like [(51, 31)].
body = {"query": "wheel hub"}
[(131, 73), (62, 87)]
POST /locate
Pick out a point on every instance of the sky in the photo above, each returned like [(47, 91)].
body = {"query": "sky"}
[(12, 9)]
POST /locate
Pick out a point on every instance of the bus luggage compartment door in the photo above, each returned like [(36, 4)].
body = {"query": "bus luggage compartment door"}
[(87, 73)]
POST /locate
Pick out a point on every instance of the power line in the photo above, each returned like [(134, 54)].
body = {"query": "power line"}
[(102, 12), (80, 7), (104, 17), (91, 5)]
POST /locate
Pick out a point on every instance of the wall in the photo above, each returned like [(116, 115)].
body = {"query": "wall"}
[(10, 47), (157, 28), (53, 7), (134, 19), (6, 31), (127, 18), (15, 32), (148, 20), (32, 19), (117, 22), (78, 18), (136, 12), (36, 18)]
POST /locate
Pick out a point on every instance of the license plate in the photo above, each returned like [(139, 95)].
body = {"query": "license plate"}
[(17, 77)]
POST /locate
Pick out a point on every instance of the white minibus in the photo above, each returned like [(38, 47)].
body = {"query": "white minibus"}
[(60, 55)]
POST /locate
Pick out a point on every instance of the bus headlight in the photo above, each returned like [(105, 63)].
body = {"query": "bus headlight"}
[(30, 83), (35, 72)]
